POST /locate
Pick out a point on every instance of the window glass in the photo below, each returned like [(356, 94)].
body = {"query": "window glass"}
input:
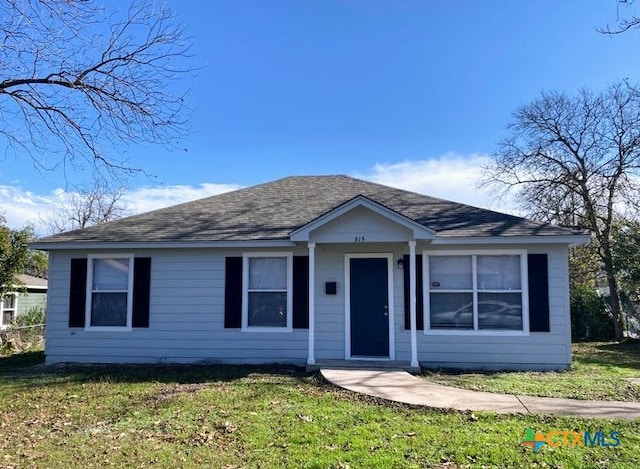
[(451, 310), (7, 317), (500, 311), (8, 302), (109, 309), (450, 272), (267, 309), (498, 272), (267, 292), (492, 302), (267, 273), (110, 274), (110, 292)]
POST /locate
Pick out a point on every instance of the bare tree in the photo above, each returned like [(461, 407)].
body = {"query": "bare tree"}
[(98, 204), (575, 160), (624, 20), (82, 79)]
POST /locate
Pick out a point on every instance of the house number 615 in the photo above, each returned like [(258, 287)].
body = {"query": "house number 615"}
[(359, 239)]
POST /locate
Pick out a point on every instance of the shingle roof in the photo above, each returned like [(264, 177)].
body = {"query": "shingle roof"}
[(32, 281), (272, 210)]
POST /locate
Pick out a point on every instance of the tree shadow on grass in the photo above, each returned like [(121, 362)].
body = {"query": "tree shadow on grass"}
[(22, 374), (612, 354), (18, 361)]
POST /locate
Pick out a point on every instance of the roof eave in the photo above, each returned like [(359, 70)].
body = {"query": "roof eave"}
[(571, 240), (86, 245)]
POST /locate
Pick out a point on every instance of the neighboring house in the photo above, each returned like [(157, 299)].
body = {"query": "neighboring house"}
[(306, 270), (30, 294)]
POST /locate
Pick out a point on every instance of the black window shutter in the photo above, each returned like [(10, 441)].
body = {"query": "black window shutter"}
[(233, 293), (300, 292), (141, 290), (538, 293), (77, 292), (419, 294)]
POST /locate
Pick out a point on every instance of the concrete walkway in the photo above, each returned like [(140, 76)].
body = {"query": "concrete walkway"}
[(400, 386)]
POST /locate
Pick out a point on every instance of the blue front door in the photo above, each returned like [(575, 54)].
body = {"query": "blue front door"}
[(369, 307)]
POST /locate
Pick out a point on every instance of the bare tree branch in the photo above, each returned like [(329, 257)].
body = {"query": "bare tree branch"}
[(82, 81), (624, 21), (575, 161), (98, 204)]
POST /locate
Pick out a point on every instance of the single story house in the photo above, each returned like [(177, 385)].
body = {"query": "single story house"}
[(310, 270), (31, 293)]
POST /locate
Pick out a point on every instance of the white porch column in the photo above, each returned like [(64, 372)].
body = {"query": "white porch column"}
[(311, 360), (412, 308)]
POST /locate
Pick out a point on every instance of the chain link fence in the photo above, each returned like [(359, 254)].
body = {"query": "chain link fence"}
[(26, 332), (22, 338)]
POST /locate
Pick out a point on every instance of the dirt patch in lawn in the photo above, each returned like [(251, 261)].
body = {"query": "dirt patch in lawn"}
[(168, 392)]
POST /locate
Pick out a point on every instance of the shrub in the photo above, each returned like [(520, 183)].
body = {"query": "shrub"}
[(34, 316), (26, 332)]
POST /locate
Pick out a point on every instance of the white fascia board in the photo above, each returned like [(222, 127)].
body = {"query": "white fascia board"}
[(15, 288), (77, 245), (419, 231), (542, 239)]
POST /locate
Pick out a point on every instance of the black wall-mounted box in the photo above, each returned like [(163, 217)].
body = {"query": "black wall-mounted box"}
[(331, 288)]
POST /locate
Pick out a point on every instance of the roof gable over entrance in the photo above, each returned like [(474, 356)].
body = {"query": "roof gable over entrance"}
[(348, 222)]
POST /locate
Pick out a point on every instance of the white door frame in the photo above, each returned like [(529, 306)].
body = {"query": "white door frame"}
[(347, 305)]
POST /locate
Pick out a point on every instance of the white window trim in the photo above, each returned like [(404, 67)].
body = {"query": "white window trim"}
[(87, 312), (524, 286), (245, 292), (14, 309)]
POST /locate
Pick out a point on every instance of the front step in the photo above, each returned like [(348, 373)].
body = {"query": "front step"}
[(364, 365)]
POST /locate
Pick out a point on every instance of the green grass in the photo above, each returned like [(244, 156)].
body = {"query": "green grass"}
[(277, 417), (599, 371)]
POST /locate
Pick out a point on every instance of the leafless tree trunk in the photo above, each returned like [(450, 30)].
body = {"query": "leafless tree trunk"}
[(83, 79), (98, 204), (575, 160)]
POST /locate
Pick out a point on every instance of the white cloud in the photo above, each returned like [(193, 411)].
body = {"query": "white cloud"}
[(451, 177), (20, 207), (145, 199)]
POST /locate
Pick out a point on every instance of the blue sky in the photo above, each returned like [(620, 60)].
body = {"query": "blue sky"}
[(409, 93)]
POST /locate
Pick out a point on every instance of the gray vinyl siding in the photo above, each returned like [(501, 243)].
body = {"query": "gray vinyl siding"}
[(539, 350), (187, 317), (330, 309), (30, 300), (25, 301), (534, 351), (360, 222)]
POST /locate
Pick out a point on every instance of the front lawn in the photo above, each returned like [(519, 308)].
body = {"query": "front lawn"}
[(233, 417), (600, 371)]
